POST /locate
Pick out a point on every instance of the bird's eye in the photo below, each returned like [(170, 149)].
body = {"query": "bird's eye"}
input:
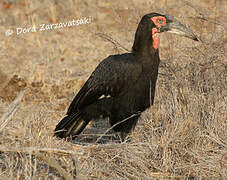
[(160, 21)]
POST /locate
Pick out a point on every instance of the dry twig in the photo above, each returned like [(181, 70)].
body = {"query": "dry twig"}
[(108, 38), (12, 109)]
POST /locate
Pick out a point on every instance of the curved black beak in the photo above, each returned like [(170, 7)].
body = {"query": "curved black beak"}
[(174, 26)]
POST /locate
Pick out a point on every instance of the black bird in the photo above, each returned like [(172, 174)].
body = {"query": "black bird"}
[(123, 85)]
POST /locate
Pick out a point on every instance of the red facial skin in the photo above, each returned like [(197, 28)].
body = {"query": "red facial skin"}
[(155, 38), (155, 30)]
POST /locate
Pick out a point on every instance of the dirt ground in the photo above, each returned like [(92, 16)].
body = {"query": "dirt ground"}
[(183, 136)]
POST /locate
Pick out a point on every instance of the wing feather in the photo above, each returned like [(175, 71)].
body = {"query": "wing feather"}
[(112, 76)]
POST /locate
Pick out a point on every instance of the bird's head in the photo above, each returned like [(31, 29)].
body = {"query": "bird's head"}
[(158, 23)]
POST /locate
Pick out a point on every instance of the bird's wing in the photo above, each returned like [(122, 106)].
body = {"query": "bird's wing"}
[(112, 76)]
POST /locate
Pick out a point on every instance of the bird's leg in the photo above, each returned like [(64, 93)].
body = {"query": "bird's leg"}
[(124, 137)]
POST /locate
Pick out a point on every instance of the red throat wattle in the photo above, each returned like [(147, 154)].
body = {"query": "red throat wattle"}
[(155, 38)]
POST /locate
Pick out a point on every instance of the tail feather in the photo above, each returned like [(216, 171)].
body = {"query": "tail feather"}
[(71, 125)]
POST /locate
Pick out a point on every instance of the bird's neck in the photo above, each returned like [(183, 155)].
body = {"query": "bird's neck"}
[(145, 47), (143, 44)]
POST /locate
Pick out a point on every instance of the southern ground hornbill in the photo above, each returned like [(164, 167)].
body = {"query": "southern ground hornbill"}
[(123, 85)]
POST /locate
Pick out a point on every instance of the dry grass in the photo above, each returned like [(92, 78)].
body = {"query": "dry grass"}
[(183, 136)]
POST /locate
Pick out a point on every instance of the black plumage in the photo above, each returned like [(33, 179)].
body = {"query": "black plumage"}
[(122, 86)]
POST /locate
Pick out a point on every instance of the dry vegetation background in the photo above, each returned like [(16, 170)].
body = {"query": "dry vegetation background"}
[(183, 136)]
